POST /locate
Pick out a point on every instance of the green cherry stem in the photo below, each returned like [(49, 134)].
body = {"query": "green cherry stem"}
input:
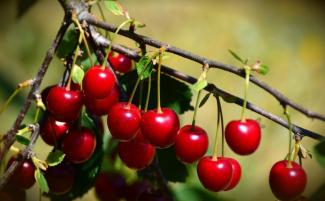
[(215, 149), (107, 35), (247, 74), (161, 51), (82, 33), (148, 94), (76, 54), (196, 109), (112, 39), (286, 113), (222, 126)]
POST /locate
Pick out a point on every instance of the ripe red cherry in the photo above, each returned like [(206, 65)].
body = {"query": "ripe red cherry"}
[(120, 62), (64, 104), (97, 82), (160, 128), (23, 176), (243, 137), (52, 130), (236, 173), (287, 183), (79, 145), (102, 106), (136, 153), (215, 175), (194, 137), (109, 186), (123, 121), (60, 178), (45, 92), (153, 195)]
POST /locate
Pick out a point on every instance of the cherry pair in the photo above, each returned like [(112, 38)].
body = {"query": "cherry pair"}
[(219, 174)]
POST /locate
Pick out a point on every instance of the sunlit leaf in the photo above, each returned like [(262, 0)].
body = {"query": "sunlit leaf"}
[(144, 67), (41, 181), (236, 56), (55, 157), (77, 74), (115, 7)]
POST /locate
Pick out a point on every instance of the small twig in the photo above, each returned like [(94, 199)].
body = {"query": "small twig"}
[(25, 154)]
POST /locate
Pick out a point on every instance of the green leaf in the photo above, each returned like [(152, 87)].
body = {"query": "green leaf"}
[(199, 85), (172, 168), (144, 67), (24, 6), (55, 157), (174, 93), (77, 74), (204, 99), (41, 181), (320, 153), (263, 69), (236, 56), (229, 98), (86, 121), (115, 7), (22, 140), (85, 62), (68, 43)]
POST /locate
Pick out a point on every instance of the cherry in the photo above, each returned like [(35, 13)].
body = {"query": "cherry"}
[(4, 196), (236, 173), (124, 121), (191, 143), (60, 178), (287, 182), (102, 106), (79, 145), (153, 195), (64, 104), (133, 191), (23, 177), (136, 153), (109, 186), (97, 82), (11, 193), (243, 137), (120, 62), (51, 130), (45, 93), (215, 175), (160, 128)]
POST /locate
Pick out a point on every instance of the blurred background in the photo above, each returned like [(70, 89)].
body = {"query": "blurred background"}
[(288, 36)]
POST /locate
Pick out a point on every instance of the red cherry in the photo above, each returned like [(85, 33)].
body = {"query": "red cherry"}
[(13, 193), (60, 178), (243, 137), (123, 121), (64, 104), (215, 175), (120, 62), (102, 106), (79, 145), (236, 173), (133, 191), (109, 186), (287, 183), (97, 82), (136, 153), (160, 128), (151, 195), (194, 137), (23, 176), (45, 93), (52, 130)]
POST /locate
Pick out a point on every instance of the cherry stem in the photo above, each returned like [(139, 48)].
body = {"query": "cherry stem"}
[(286, 113), (222, 126), (82, 33), (7, 102), (247, 74), (112, 39), (161, 50), (196, 109), (107, 35), (140, 94), (215, 149), (36, 118), (76, 54), (148, 94)]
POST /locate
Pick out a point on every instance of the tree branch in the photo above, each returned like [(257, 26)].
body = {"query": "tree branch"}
[(9, 138), (26, 153), (228, 97), (203, 60)]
